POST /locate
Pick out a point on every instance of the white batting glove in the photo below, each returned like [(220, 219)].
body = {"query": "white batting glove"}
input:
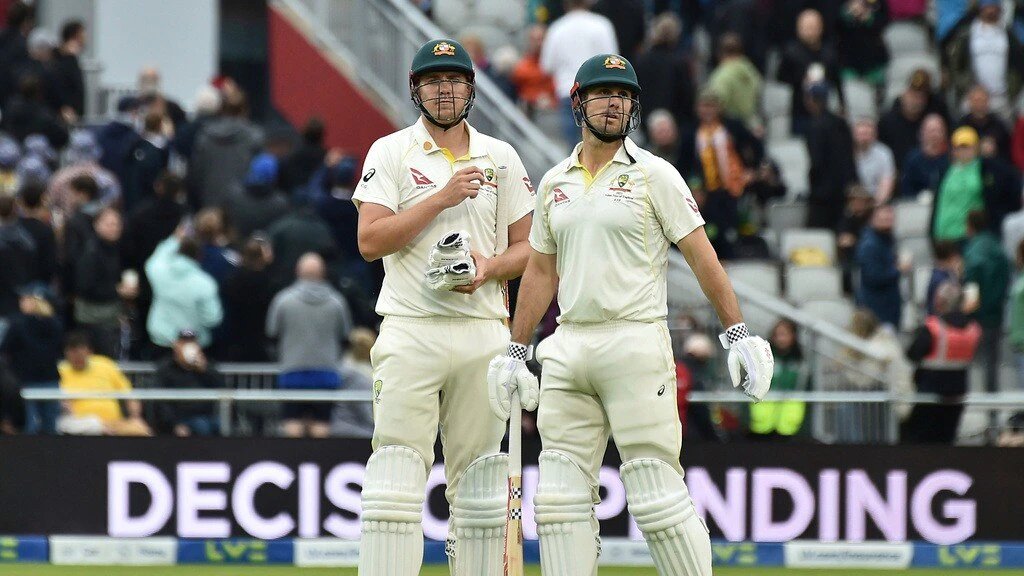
[(450, 276), (452, 248), (751, 363), (508, 373)]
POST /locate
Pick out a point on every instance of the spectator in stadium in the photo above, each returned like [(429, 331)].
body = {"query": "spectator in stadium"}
[(973, 183), (99, 287), (1017, 316), (86, 204), (35, 219), (67, 72), (310, 322), (21, 19), (1012, 233), (856, 216), (355, 419), (783, 420), (941, 369), (183, 295), (299, 232), (32, 345), (993, 132), (219, 259), (982, 51), (83, 371), (206, 106), (258, 203), (663, 136), (246, 295), (224, 148), (880, 272), (693, 374), (830, 148), (664, 72), (627, 17), (570, 40), (534, 87), (18, 255), (859, 44), (925, 165), (299, 167), (986, 282), (119, 136), (331, 194), (949, 267), (41, 45), (737, 82), (26, 113), (149, 90), (187, 368), (900, 127), (82, 159), (808, 58), (10, 155), (147, 159), (876, 166)]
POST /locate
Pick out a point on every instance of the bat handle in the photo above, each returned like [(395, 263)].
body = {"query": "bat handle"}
[(515, 437)]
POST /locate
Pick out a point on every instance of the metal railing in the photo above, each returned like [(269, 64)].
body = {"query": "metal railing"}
[(376, 40)]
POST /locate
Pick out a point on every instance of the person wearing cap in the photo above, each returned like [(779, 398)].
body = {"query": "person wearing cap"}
[(448, 210), (187, 368), (833, 168), (982, 51), (34, 341), (257, 203), (605, 219), (972, 183)]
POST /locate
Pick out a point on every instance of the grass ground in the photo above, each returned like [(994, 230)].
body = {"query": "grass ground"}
[(48, 570)]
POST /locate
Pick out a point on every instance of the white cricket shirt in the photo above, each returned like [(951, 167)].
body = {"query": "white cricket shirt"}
[(407, 167), (611, 233)]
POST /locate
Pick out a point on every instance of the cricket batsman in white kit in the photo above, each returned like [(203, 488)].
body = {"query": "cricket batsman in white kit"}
[(604, 222), (448, 209)]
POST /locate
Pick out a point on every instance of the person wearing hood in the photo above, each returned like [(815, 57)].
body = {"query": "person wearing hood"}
[(258, 204), (82, 158), (184, 296), (311, 322), (223, 151), (875, 257)]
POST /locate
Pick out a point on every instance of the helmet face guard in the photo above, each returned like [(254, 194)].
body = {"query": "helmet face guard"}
[(598, 121), (445, 93)]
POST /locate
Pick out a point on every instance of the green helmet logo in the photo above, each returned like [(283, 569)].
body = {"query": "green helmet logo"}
[(442, 55), (611, 71)]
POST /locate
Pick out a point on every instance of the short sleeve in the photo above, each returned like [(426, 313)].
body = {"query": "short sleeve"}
[(377, 184), (519, 189), (673, 203), (541, 238)]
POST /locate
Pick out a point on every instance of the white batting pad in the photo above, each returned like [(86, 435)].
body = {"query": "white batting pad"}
[(393, 491), (566, 526), (479, 513), (660, 503)]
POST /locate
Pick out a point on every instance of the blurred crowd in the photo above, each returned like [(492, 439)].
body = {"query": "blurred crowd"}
[(185, 239)]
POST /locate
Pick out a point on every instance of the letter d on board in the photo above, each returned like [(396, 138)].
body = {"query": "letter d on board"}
[(120, 477)]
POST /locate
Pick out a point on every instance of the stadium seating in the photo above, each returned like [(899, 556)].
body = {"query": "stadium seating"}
[(912, 219), (836, 311), (807, 283), (762, 274), (821, 239)]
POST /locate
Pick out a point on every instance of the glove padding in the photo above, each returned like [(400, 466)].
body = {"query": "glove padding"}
[(450, 276), (452, 248), (751, 365), (506, 375)]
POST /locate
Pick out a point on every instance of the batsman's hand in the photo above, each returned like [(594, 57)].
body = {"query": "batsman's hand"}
[(505, 375), (463, 184), (453, 247), (751, 363)]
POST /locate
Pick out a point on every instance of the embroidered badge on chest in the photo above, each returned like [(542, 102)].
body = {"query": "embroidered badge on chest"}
[(622, 190)]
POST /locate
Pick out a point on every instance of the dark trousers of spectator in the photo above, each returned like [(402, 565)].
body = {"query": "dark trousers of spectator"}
[(988, 356), (41, 416), (201, 425), (931, 424)]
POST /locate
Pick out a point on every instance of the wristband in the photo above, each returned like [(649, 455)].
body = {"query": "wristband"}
[(733, 334), (519, 352)]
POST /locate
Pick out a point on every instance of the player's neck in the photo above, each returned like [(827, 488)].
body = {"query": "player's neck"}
[(455, 139), (595, 153)]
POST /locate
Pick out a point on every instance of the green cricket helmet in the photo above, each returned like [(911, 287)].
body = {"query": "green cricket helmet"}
[(442, 55), (605, 70)]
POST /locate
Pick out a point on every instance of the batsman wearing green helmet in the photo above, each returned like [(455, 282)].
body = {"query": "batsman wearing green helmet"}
[(604, 222), (448, 210)]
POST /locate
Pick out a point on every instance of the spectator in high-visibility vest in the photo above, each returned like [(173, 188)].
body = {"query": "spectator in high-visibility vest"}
[(943, 348), (782, 420)]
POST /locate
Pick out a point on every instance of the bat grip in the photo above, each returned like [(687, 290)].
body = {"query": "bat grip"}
[(515, 437)]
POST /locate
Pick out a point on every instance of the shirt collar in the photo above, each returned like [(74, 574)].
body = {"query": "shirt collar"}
[(626, 154), (422, 137)]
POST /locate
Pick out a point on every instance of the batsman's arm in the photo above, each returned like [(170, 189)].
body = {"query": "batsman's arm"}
[(511, 263), (382, 232), (537, 288), (714, 282)]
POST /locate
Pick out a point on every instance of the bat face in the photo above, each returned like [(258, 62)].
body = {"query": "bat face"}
[(514, 528)]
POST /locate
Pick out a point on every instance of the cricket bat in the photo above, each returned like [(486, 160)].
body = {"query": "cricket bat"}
[(514, 527)]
